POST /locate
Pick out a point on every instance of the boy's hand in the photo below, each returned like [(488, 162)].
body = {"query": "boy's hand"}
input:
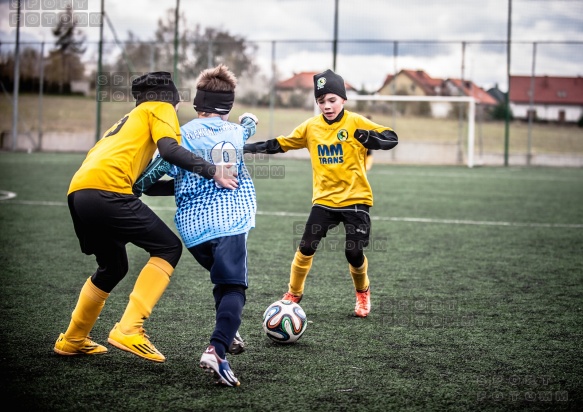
[(226, 176), (248, 115), (249, 121)]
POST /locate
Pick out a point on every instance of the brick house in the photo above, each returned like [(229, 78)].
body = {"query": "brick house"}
[(419, 83), (555, 99)]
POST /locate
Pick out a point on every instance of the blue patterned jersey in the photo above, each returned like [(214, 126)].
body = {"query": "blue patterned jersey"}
[(206, 211)]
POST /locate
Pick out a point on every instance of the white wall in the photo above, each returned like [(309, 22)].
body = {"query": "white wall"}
[(548, 112)]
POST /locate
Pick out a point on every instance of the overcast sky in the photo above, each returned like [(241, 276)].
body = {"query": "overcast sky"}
[(440, 27)]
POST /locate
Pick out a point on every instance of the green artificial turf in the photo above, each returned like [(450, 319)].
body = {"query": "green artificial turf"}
[(477, 299)]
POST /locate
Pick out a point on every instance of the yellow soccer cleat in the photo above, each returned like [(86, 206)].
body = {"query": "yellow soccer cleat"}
[(87, 347), (138, 344), (362, 308)]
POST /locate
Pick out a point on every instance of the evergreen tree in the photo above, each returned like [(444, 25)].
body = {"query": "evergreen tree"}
[(64, 60)]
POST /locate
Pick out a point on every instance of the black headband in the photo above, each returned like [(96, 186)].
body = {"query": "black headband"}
[(213, 102)]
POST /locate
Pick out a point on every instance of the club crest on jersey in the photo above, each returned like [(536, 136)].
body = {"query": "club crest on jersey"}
[(342, 135), (332, 154)]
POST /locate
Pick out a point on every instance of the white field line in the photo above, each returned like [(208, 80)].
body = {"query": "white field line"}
[(4, 195), (383, 218), (513, 174)]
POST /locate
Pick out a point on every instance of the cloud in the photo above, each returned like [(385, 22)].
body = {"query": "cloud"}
[(423, 34)]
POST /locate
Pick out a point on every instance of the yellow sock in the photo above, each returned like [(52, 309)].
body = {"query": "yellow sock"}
[(299, 270), (149, 287), (360, 276), (91, 301)]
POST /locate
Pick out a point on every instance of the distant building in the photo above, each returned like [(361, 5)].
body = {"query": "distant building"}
[(459, 87), (80, 86), (411, 83), (497, 94), (298, 90), (555, 99), (419, 83)]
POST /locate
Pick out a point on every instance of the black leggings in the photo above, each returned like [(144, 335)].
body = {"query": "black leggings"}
[(356, 219)]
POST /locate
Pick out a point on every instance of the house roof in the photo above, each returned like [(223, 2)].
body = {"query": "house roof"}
[(469, 88), (427, 83), (304, 81), (497, 94), (547, 90), (388, 79), (433, 86)]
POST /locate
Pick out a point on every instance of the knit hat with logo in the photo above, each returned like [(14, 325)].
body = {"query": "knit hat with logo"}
[(329, 82)]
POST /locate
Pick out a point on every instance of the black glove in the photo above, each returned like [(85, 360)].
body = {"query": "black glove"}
[(361, 135), (250, 148)]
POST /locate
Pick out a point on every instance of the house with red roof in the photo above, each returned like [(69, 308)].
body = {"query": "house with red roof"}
[(419, 83), (459, 87), (411, 83), (298, 90), (550, 98)]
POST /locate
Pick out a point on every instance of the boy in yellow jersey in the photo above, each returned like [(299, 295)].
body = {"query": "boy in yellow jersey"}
[(337, 141), (107, 216)]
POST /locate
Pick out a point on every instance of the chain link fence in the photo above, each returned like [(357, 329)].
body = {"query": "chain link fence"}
[(484, 58)]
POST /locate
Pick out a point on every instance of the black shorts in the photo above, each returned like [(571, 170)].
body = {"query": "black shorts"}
[(105, 222), (356, 220)]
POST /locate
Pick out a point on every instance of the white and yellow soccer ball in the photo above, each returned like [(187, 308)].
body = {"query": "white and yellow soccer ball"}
[(284, 321)]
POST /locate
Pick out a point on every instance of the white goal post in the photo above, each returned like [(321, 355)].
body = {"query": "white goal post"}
[(454, 99)]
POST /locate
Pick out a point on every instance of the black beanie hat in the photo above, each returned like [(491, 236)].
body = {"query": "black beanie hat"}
[(156, 87), (329, 82)]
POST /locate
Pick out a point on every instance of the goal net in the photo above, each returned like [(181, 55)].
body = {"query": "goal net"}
[(434, 129)]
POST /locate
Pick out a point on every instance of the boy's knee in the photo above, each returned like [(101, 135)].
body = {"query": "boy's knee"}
[(354, 256), (173, 253)]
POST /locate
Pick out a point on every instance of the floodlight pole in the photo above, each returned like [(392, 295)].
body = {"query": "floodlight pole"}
[(16, 82), (273, 92), (41, 69), (507, 99), (176, 17), (531, 107), (98, 79), (335, 41)]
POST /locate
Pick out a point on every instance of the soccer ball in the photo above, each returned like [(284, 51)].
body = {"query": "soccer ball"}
[(284, 321)]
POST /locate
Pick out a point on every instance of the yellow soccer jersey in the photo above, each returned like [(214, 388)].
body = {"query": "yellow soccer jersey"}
[(338, 159), (124, 151)]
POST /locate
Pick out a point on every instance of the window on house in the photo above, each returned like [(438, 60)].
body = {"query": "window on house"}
[(561, 93)]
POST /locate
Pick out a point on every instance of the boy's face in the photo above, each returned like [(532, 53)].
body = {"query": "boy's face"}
[(330, 105)]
